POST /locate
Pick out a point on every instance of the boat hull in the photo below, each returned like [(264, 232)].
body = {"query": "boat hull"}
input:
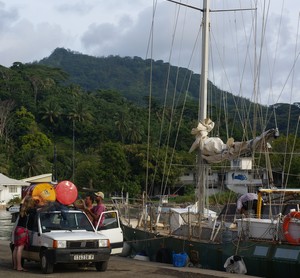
[(263, 259)]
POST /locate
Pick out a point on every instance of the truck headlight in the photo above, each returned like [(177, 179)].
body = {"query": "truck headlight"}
[(104, 243), (59, 244)]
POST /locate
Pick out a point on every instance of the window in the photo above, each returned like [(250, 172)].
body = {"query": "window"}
[(64, 220), (12, 189)]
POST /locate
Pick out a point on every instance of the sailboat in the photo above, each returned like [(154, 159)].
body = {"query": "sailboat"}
[(264, 245)]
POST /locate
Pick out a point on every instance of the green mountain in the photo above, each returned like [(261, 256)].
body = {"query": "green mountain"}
[(87, 119), (131, 78)]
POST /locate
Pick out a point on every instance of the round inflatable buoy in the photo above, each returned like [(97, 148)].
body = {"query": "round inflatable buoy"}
[(66, 192), (286, 224), (44, 192)]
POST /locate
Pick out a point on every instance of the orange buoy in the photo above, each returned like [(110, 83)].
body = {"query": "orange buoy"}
[(286, 224), (44, 192), (66, 192)]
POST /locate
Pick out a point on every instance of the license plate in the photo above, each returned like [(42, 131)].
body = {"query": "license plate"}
[(83, 257)]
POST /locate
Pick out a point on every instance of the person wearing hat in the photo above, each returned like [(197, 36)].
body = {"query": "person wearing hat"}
[(96, 210), (86, 205)]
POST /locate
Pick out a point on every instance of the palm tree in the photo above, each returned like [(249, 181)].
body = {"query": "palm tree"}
[(135, 132), (33, 165), (122, 124), (78, 114), (51, 112)]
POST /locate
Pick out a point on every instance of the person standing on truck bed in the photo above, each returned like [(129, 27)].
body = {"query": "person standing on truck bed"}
[(96, 210), (86, 205)]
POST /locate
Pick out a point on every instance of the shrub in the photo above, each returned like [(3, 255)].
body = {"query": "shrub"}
[(15, 200)]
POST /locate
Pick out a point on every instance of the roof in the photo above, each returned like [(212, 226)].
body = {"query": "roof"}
[(4, 180), (39, 178)]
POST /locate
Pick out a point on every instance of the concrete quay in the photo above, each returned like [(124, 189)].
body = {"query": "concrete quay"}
[(117, 267)]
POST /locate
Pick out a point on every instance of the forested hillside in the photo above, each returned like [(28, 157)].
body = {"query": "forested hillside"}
[(86, 119), (130, 76)]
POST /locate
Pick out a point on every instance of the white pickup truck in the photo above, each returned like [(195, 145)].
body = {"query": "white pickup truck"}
[(67, 236)]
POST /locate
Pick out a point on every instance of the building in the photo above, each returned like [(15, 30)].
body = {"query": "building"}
[(10, 188)]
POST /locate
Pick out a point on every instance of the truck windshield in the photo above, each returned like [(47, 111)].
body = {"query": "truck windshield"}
[(64, 220)]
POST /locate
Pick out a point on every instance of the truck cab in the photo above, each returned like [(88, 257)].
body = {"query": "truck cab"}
[(66, 235)]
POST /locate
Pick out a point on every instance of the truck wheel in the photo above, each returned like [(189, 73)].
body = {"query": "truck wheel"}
[(101, 266), (46, 265)]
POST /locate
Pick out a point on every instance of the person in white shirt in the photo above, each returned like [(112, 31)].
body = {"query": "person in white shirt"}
[(246, 203)]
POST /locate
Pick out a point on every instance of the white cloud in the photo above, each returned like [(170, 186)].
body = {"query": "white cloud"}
[(77, 7), (31, 30), (26, 42)]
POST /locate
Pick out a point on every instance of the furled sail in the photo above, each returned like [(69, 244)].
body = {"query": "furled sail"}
[(214, 150)]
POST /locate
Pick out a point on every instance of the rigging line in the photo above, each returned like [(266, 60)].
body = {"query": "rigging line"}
[(288, 172), (272, 68), (275, 116), (218, 114), (277, 42), (259, 120), (243, 123), (219, 108), (236, 103), (259, 63), (188, 67), (289, 74), (181, 115), (223, 96), (290, 107), (164, 105), (216, 11), (226, 76), (182, 110), (179, 124), (291, 158), (246, 108), (186, 5), (166, 94), (150, 44), (238, 64), (150, 40)]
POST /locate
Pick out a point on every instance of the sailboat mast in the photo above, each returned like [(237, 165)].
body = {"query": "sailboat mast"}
[(204, 57), (202, 167)]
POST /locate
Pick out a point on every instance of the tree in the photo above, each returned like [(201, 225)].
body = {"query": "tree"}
[(135, 132), (50, 111), (36, 141), (122, 124), (87, 173), (23, 122), (6, 107), (33, 164), (78, 114), (113, 168)]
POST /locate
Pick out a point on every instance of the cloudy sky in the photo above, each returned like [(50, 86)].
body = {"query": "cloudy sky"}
[(31, 29)]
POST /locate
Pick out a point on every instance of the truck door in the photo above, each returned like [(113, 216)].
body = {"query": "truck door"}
[(111, 229)]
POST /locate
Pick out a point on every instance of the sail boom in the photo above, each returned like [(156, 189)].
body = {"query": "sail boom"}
[(214, 150)]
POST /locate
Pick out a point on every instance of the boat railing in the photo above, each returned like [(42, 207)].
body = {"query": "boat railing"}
[(169, 220)]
